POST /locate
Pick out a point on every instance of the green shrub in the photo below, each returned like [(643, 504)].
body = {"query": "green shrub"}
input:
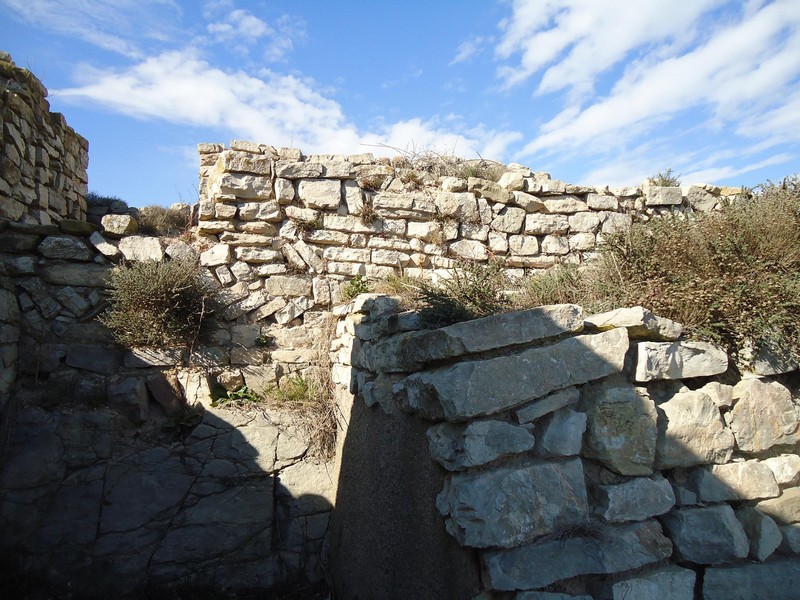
[(665, 179), (156, 304), (161, 221), (357, 285), (243, 395)]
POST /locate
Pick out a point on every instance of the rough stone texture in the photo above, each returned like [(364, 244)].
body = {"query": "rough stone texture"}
[(785, 468), (763, 415), (606, 550), (141, 248), (411, 351), (458, 447), (670, 583), (748, 480), (634, 500), (774, 580), (763, 533), (691, 432), (469, 389), (707, 535), (621, 428), (561, 433), (549, 404), (469, 503), (640, 323), (785, 509), (677, 360)]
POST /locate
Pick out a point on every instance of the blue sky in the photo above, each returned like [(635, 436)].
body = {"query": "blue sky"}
[(592, 91)]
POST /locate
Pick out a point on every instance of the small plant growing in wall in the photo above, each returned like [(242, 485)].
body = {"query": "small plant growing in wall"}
[(307, 226), (157, 304), (357, 285), (665, 179), (372, 183)]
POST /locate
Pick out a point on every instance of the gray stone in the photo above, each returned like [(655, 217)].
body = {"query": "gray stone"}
[(298, 170), (166, 390), (469, 249), (678, 360), (280, 285), (565, 204), (776, 580), (662, 196), (458, 447), (785, 468), (470, 389), (179, 250), (79, 275), (538, 596), (413, 350), (547, 405), (73, 301), (691, 432), (784, 509), (99, 359), (669, 583), (640, 323), (509, 220), (597, 551), (141, 358), (119, 225), (325, 194), (720, 393), (141, 248), (763, 415), (621, 427), (130, 395), (312, 487), (293, 309), (561, 433), (489, 190), (699, 199), (635, 500), (65, 247), (790, 542), (469, 502), (748, 480), (542, 224), (763, 533), (707, 535), (103, 246)]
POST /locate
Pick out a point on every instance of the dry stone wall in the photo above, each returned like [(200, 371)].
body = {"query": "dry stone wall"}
[(594, 457), (43, 161)]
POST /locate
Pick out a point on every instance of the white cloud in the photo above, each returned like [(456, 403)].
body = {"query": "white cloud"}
[(242, 31), (116, 25), (284, 110), (240, 25), (469, 48)]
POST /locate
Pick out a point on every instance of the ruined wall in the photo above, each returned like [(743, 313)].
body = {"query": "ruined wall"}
[(43, 161), (594, 457)]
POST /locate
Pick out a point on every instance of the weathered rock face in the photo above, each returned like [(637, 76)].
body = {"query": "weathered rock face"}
[(691, 432), (469, 503), (763, 416), (635, 500), (621, 430), (763, 533), (785, 509), (709, 535), (469, 389), (676, 360), (671, 583), (606, 550), (775, 580), (458, 447), (748, 480)]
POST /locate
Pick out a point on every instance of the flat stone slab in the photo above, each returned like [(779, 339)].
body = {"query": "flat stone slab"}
[(747, 480), (458, 447), (784, 509), (678, 360), (709, 535), (763, 416), (774, 580), (411, 351), (470, 389), (635, 500), (599, 551), (670, 583), (640, 323), (536, 499)]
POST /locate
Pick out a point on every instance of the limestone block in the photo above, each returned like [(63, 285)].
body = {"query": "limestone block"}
[(260, 211), (542, 224), (469, 503), (283, 285), (299, 170), (258, 255), (119, 225), (469, 389), (720, 393), (776, 580), (708, 535), (523, 245), (509, 220), (244, 162), (349, 224), (785, 509), (699, 199), (404, 206), (77, 274), (604, 550), (214, 227), (555, 244), (246, 239), (511, 180), (602, 202), (411, 351), (225, 212), (662, 196), (785, 468), (561, 433), (243, 186), (621, 427), (550, 403), (130, 395), (311, 486), (284, 191), (528, 202), (224, 275), (324, 194), (309, 256), (640, 323), (489, 190), (347, 269), (462, 206), (219, 254), (763, 415), (584, 222), (73, 301), (612, 222), (763, 533), (322, 237), (250, 302), (691, 432), (678, 360), (293, 309), (75, 227), (582, 242), (635, 500), (565, 204), (498, 243), (356, 255), (668, 583), (459, 447), (474, 231), (747, 480), (423, 231), (141, 248), (391, 258), (353, 197), (469, 249), (98, 359), (454, 184), (65, 247)]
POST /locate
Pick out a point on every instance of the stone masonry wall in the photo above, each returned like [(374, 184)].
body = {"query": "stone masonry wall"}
[(117, 470), (594, 457), (43, 161)]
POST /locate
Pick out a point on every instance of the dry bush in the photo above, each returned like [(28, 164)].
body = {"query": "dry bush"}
[(161, 221)]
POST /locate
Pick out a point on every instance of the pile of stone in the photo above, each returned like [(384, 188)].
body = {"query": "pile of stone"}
[(601, 456), (43, 161)]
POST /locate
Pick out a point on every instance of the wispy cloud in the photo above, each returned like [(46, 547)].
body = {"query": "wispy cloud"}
[(244, 31), (469, 48), (119, 26)]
